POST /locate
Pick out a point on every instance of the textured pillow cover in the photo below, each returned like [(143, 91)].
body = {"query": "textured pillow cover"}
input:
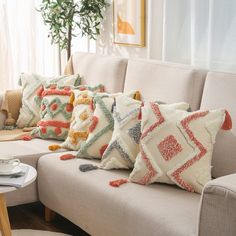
[(124, 145), (176, 146), (31, 86), (81, 116), (56, 112), (101, 126)]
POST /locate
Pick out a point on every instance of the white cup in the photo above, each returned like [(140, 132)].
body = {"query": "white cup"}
[(8, 163)]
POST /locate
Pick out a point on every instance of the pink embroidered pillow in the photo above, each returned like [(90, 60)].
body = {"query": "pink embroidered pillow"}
[(176, 146), (56, 112)]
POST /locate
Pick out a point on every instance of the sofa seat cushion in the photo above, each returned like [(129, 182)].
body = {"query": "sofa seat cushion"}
[(87, 200), (27, 151)]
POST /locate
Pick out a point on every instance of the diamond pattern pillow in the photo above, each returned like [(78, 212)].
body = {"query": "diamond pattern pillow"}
[(81, 116), (32, 84), (124, 145), (176, 146), (101, 126), (56, 112)]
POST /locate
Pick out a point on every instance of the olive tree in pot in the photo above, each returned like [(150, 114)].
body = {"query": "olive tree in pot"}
[(67, 18)]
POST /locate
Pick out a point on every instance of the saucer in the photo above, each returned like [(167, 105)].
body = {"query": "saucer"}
[(14, 171)]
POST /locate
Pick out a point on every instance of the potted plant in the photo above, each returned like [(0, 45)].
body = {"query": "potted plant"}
[(67, 18)]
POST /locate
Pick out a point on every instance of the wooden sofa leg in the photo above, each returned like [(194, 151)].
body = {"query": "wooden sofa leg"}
[(49, 214)]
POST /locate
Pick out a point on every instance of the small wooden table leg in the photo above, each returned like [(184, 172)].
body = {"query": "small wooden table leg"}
[(4, 220), (49, 214)]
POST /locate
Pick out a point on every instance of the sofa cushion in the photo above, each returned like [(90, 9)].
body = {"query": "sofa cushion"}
[(56, 111), (31, 85), (124, 144), (219, 91), (29, 153), (160, 81), (106, 70), (176, 146), (87, 200)]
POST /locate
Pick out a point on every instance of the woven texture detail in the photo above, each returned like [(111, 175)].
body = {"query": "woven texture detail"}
[(124, 145), (176, 146)]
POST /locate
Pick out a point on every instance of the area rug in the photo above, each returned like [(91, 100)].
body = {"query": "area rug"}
[(29, 232)]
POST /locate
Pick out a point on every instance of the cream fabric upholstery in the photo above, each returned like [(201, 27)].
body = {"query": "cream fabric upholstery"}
[(219, 91), (106, 70), (29, 153), (87, 200), (218, 208), (169, 83)]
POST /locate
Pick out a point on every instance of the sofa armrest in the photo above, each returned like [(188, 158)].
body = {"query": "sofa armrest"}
[(218, 208), (2, 113)]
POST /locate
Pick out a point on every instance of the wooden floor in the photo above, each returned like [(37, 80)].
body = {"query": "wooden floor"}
[(31, 216)]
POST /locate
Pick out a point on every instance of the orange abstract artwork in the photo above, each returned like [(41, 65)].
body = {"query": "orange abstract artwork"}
[(124, 27)]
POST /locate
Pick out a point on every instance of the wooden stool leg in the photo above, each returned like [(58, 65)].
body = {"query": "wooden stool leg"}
[(49, 215), (4, 220)]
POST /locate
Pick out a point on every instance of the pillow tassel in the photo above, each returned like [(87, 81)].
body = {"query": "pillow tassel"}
[(67, 157), (117, 183), (137, 96), (27, 137), (54, 147), (87, 167), (227, 125), (140, 112)]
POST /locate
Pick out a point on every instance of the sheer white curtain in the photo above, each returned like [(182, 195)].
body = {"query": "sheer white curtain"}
[(24, 43), (197, 32)]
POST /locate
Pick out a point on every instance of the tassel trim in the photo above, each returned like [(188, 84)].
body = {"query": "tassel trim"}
[(54, 147), (67, 157), (227, 125), (118, 183)]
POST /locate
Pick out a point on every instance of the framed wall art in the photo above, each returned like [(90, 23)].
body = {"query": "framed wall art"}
[(129, 22)]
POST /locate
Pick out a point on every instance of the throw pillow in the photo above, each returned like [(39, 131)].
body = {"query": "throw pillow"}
[(32, 84), (56, 112), (81, 116), (101, 126), (124, 145), (176, 146)]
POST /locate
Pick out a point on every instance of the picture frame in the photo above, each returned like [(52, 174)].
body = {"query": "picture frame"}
[(129, 22)]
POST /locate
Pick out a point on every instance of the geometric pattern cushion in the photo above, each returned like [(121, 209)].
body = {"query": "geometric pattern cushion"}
[(31, 85), (176, 146), (100, 128), (56, 112), (124, 144), (81, 116)]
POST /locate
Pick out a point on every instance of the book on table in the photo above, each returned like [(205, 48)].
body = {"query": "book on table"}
[(15, 180)]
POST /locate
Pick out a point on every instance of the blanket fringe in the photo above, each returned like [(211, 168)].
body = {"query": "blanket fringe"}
[(227, 125)]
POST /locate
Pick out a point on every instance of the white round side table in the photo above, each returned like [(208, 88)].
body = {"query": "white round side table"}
[(5, 227)]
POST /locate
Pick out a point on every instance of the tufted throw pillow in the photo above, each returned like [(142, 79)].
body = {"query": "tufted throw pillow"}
[(56, 112), (31, 86), (176, 146), (124, 145), (81, 116), (101, 126)]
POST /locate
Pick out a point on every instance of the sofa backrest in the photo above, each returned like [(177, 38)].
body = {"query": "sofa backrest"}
[(220, 92), (106, 70), (165, 82)]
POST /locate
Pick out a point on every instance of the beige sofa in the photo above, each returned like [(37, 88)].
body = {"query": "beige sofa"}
[(87, 200)]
